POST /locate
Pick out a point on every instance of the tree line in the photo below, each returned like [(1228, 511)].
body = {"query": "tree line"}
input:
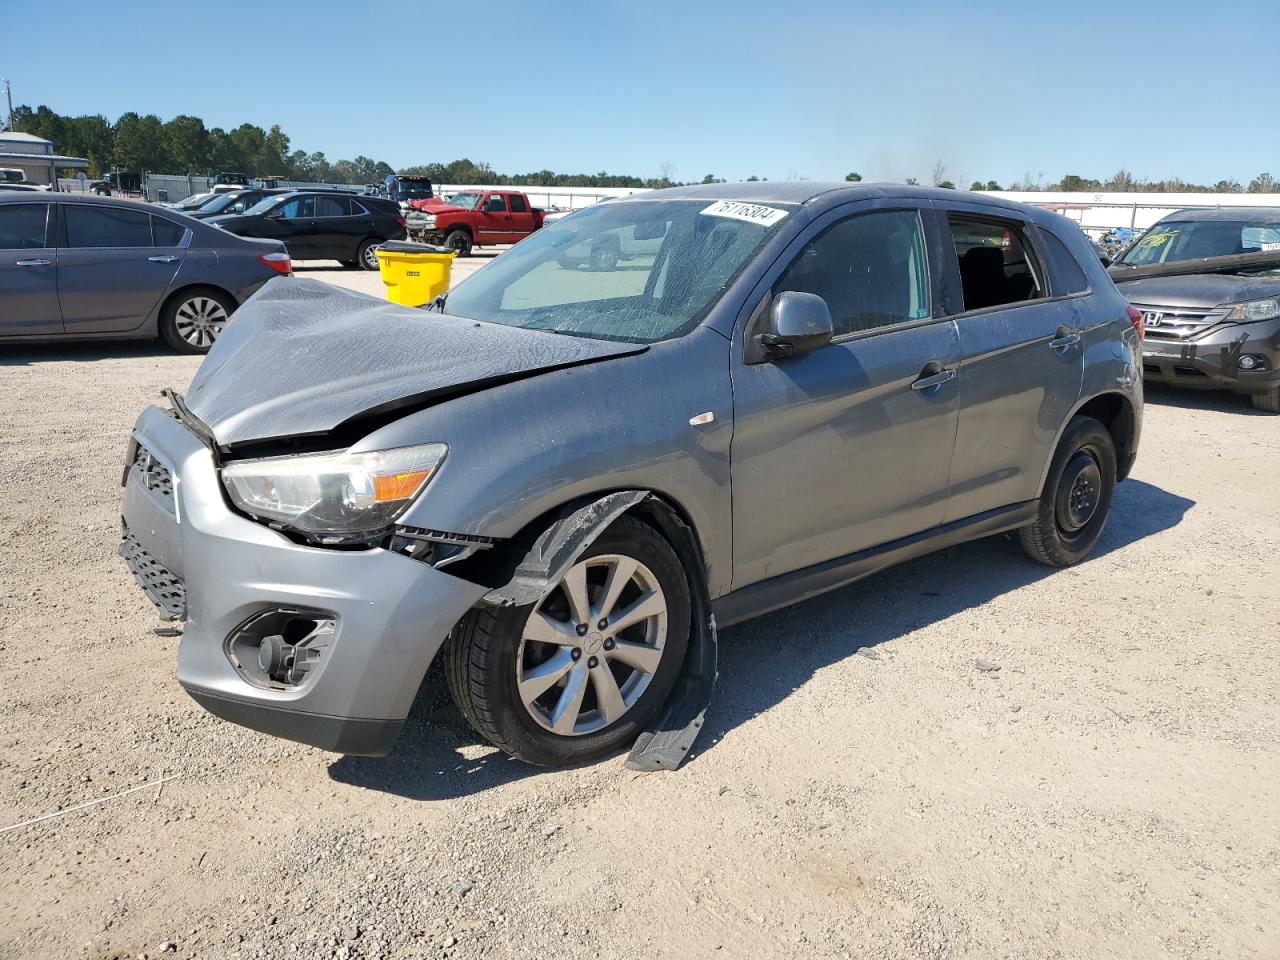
[(184, 145)]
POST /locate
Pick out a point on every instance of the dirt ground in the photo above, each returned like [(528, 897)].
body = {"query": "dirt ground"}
[(1112, 790)]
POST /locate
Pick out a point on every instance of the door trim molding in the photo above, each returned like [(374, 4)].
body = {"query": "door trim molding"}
[(788, 588)]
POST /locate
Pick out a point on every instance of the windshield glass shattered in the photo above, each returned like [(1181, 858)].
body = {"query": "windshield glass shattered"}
[(467, 201), (638, 271), (1175, 240)]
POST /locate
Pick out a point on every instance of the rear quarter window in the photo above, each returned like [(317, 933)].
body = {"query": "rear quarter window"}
[(1066, 276)]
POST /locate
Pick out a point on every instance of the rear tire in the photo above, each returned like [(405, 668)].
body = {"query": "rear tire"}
[(460, 241), (492, 659), (1269, 401), (367, 255), (194, 318), (1076, 498)]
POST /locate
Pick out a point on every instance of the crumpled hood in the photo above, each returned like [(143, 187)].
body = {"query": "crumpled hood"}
[(434, 205), (302, 357), (1197, 291)]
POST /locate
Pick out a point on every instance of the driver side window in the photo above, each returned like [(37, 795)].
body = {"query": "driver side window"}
[(871, 270)]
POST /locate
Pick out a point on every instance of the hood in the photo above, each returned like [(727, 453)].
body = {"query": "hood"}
[(221, 218), (302, 358), (434, 205), (1204, 291)]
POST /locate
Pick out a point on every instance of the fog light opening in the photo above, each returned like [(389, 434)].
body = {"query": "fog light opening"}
[(1251, 361), (280, 648)]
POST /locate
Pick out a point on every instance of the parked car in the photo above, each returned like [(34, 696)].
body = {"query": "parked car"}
[(1218, 329), (191, 203), (542, 482), (474, 218), (232, 201), (229, 179), (118, 181), (12, 175), (83, 267), (22, 186), (317, 225)]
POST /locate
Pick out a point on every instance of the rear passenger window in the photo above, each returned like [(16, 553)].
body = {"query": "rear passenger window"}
[(22, 226), (995, 267), (518, 205), (89, 226), (1065, 275), (332, 207), (166, 233), (495, 204), (871, 270)]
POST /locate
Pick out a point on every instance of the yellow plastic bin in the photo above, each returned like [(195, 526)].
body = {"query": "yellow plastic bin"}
[(415, 273)]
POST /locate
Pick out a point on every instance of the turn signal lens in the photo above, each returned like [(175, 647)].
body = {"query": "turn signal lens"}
[(399, 486)]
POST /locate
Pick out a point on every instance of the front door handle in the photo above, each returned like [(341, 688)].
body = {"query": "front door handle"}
[(933, 375), (33, 263), (162, 259), (1064, 337)]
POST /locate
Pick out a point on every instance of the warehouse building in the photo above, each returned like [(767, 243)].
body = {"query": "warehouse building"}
[(34, 156)]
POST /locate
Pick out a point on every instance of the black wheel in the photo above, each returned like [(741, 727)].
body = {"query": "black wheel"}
[(1269, 401), (194, 318), (581, 672), (1077, 496), (459, 240), (367, 255)]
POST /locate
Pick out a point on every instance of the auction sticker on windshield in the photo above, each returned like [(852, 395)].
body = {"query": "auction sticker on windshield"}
[(750, 212)]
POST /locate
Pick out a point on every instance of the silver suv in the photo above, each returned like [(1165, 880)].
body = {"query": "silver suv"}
[(579, 465)]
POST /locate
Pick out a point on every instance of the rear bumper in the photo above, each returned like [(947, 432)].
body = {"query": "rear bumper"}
[(1211, 360), (387, 615)]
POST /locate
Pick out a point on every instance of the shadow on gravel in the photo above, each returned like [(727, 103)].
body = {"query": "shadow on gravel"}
[(425, 763), (1163, 395), (764, 660), (81, 351)]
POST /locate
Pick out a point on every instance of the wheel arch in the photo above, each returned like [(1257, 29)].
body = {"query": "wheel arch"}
[(1116, 412), (177, 292)]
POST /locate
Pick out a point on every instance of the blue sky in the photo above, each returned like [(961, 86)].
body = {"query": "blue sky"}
[(993, 89)]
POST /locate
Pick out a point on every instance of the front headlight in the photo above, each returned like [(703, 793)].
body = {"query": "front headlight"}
[(333, 497), (1253, 310)]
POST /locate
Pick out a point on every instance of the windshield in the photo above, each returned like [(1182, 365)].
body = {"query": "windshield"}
[(467, 201), (196, 200), (639, 271), (1174, 240), (265, 204), (415, 188), (220, 202)]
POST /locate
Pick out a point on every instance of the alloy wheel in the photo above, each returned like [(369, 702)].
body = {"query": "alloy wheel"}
[(200, 320), (591, 647), (371, 256)]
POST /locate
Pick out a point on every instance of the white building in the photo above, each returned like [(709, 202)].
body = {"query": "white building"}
[(34, 156)]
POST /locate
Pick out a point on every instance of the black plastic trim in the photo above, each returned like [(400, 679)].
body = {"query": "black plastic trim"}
[(369, 738)]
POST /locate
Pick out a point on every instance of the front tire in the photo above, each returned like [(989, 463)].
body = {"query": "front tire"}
[(582, 672), (194, 319), (459, 241), (1077, 496), (1269, 401)]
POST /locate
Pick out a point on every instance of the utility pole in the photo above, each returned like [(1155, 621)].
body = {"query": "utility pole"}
[(8, 93)]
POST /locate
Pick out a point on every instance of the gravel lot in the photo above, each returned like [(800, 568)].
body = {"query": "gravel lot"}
[(1112, 790)]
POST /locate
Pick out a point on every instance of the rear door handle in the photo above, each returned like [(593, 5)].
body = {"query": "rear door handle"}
[(1063, 338), (162, 259), (33, 263), (932, 377)]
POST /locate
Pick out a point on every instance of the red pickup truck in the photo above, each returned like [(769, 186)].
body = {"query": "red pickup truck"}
[(473, 218)]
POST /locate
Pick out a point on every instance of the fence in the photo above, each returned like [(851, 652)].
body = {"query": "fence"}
[(170, 188), (1098, 213)]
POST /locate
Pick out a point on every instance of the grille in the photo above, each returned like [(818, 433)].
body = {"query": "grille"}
[(163, 589), (1174, 323), (154, 476)]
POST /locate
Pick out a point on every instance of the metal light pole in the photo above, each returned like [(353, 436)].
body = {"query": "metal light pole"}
[(8, 93)]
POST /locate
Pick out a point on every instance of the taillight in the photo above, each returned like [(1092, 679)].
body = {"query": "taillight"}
[(402, 221), (1135, 317), (279, 262)]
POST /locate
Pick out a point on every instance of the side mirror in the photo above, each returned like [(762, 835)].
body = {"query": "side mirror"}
[(797, 323)]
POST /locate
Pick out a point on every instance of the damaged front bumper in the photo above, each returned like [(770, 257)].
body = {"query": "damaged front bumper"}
[(1212, 359), (368, 622)]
